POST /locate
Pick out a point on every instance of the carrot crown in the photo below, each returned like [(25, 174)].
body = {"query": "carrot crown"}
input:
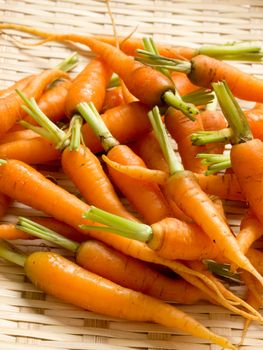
[(10, 253), (215, 162), (118, 225), (163, 139), (43, 232), (93, 118)]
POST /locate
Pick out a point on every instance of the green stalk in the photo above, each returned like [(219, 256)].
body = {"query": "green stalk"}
[(222, 270), (165, 144), (75, 131), (10, 253), (93, 118), (233, 113), (2, 161), (199, 97), (52, 132), (43, 232), (116, 224), (204, 137), (173, 100), (68, 63), (114, 81), (215, 162)]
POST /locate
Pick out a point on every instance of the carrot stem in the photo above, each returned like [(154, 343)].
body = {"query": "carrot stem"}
[(177, 102), (68, 63), (223, 270), (93, 118), (205, 137), (43, 232), (165, 144), (9, 253), (114, 81), (199, 97), (215, 162), (55, 134), (75, 130), (116, 224), (233, 113)]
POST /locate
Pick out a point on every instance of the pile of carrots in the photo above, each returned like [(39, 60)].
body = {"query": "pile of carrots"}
[(109, 136)]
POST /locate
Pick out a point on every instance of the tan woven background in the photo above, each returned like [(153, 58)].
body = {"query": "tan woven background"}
[(30, 320)]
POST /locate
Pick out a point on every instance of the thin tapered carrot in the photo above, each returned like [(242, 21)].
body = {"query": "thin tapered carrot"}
[(20, 84), (10, 106), (138, 78), (125, 122), (117, 267), (113, 98), (184, 190), (145, 197), (36, 150), (12, 136), (79, 163), (97, 294), (250, 231), (89, 85), (181, 129)]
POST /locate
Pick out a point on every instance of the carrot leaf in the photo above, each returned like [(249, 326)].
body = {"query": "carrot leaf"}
[(43, 232), (10, 253), (204, 137), (68, 63), (222, 270), (116, 224), (75, 132), (215, 162)]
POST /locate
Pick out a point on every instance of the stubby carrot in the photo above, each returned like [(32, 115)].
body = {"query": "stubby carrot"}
[(53, 274)]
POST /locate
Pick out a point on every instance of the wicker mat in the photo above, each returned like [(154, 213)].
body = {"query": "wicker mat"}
[(31, 320)]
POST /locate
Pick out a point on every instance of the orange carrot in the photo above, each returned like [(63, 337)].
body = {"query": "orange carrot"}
[(89, 85), (13, 136), (113, 98), (32, 151), (10, 105), (250, 231), (5, 202), (21, 84), (181, 129), (97, 294), (183, 84), (125, 122)]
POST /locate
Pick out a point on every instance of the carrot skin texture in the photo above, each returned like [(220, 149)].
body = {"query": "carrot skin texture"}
[(10, 106), (113, 98), (247, 163), (90, 291), (125, 122), (206, 70), (134, 274), (250, 230), (31, 151), (183, 84), (89, 85), (85, 170), (181, 128), (224, 186), (145, 197), (12, 136)]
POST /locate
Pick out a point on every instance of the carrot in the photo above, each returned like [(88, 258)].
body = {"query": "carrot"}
[(5, 202), (138, 78), (97, 294), (182, 83), (10, 105), (32, 151), (203, 71), (89, 85), (144, 196), (237, 50), (184, 190), (250, 231), (20, 84), (255, 120), (12, 136), (117, 267), (113, 98), (79, 163), (125, 122)]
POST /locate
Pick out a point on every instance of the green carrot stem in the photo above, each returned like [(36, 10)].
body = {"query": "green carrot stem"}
[(2, 161), (150, 46), (68, 63), (215, 162), (223, 270), (75, 130), (10, 253), (43, 232), (175, 101), (204, 137), (37, 129), (163, 139), (54, 134), (116, 224), (114, 81), (233, 113), (199, 97), (93, 118), (215, 168), (212, 105)]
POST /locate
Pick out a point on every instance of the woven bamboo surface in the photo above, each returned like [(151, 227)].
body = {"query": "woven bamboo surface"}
[(31, 320)]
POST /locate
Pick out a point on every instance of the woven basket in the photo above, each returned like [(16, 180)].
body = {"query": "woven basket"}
[(31, 320)]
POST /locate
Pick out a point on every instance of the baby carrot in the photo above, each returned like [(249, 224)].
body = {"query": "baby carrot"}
[(53, 274), (113, 98), (118, 267), (144, 196), (12, 136), (20, 84)]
